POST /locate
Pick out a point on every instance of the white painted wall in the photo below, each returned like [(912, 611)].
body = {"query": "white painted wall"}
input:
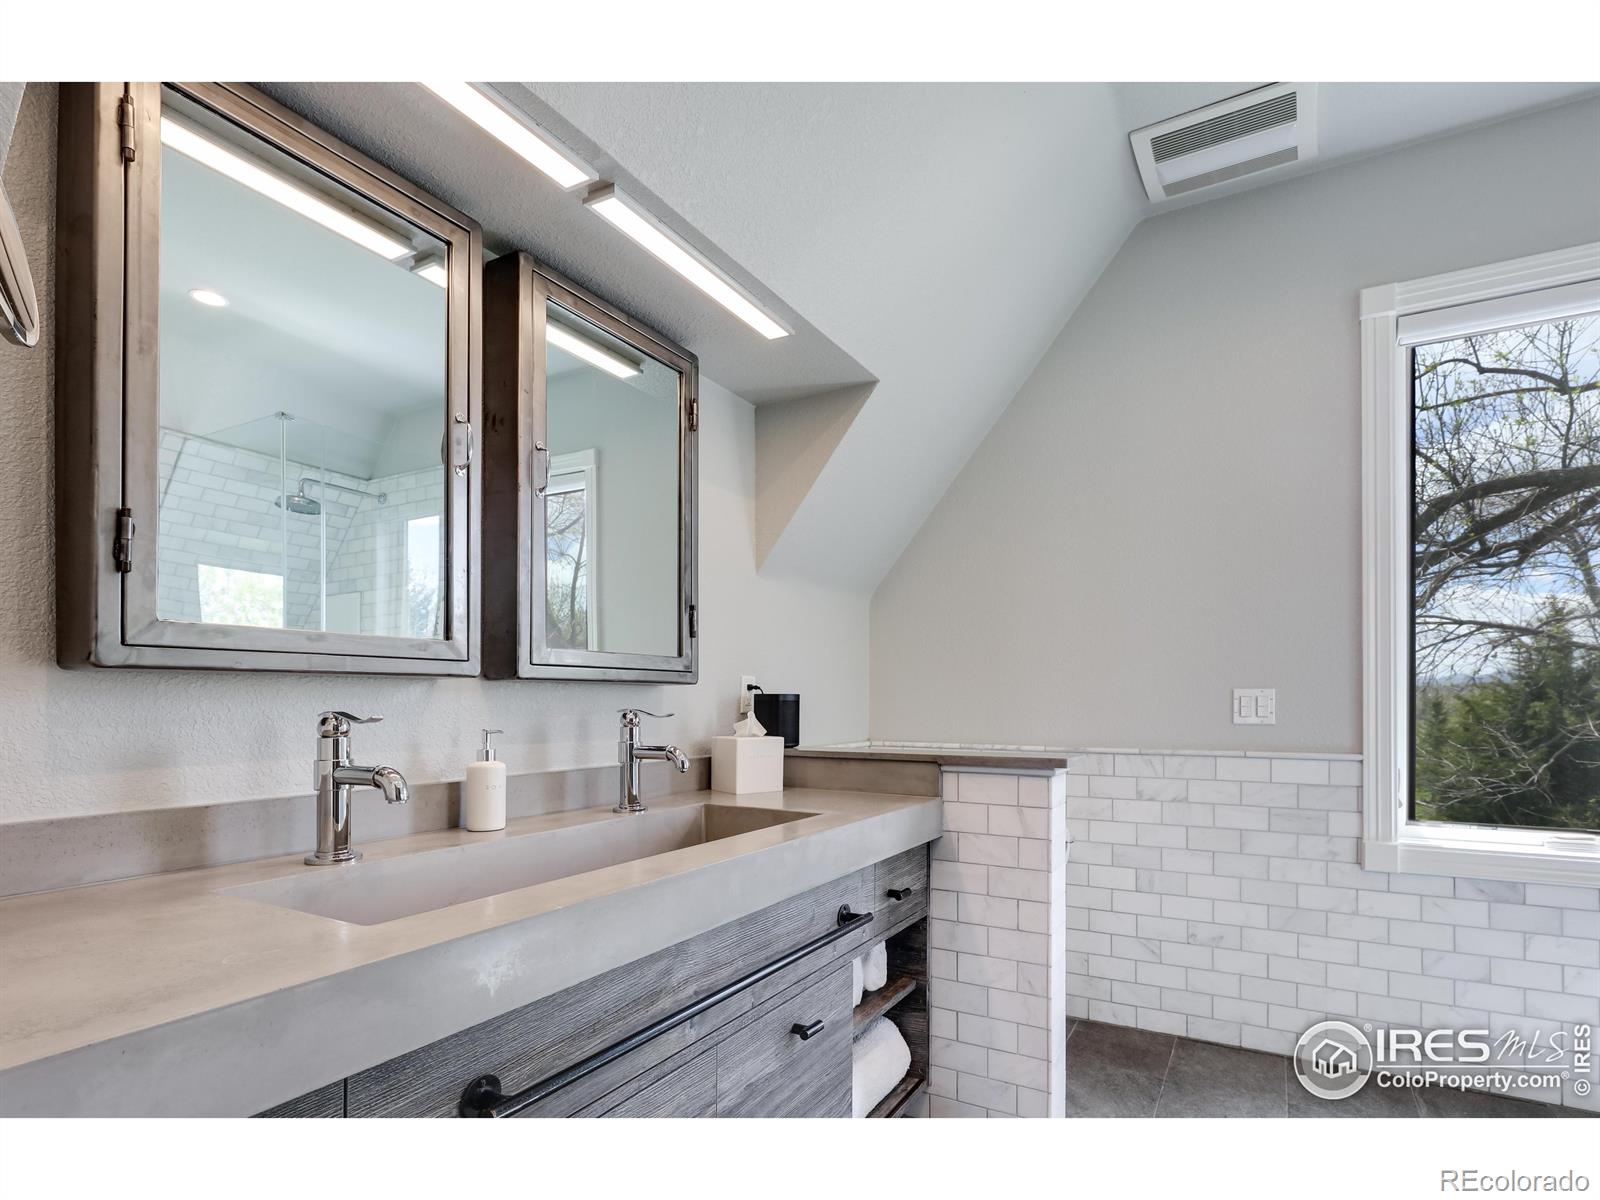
[(1170, 506), (82, 742)]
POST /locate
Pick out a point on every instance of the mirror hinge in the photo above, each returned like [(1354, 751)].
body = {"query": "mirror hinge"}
[(122, 546), (125, 127), (694, 622), (694, 416)]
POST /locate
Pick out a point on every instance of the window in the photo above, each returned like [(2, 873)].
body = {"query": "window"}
[(1482, 529), (232, 597)]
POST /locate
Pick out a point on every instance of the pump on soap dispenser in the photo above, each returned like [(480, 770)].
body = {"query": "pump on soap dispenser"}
[(483, 802)]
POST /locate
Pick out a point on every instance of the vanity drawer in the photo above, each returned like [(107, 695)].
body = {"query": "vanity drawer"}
[(688, 1091), (768, 1069), (905, 873)]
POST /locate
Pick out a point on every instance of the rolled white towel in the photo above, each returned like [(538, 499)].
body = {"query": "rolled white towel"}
[(857, 981), (880, 1059), (877, 967)]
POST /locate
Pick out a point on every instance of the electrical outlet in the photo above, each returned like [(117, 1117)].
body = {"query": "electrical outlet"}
[(1255, 706), (747, 698)]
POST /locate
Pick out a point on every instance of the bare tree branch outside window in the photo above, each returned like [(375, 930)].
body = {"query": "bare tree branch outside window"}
[(1506, 574), (567, 569)]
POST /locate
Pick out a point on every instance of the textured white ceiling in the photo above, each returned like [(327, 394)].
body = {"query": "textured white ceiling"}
[(932, 237), (407, 128)]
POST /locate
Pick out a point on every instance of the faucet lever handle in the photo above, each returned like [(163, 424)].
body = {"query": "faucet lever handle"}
[(631, 716), (335, 723)]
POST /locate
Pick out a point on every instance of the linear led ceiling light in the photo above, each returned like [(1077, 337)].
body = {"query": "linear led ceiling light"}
[(591, 352), (433, 271), (219, 158), (626, 215), (516, 132)]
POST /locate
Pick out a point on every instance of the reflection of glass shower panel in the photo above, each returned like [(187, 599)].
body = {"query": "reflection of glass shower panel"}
[(220, 530), (254, 503)]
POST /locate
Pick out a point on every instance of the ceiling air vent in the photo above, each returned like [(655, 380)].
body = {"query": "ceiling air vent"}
[(1270, 127)]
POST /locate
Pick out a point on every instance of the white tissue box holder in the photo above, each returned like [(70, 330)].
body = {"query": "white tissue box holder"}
[(742, 765)]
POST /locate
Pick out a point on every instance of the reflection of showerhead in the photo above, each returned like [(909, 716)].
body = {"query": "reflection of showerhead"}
[(300, 503), (305, 506)]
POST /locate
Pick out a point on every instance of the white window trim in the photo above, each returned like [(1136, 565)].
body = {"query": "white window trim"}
[(1504, 294), (586, 464)]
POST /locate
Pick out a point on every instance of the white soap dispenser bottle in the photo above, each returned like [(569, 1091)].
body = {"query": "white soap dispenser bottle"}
[(483, 804)]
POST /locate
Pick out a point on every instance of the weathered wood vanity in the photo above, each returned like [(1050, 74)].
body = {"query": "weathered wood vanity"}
[(685, 1032)]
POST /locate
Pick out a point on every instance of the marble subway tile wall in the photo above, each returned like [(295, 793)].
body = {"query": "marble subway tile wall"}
[(997, 947), (1219, 896)]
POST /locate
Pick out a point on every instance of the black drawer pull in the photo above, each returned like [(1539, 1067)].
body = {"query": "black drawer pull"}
[(898, 893), (806, 1032)]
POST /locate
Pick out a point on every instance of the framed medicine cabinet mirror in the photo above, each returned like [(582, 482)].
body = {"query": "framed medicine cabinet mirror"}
[(268, 386), (589, 487)]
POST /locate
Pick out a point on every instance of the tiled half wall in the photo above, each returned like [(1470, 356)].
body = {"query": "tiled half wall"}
[(997, 947), (1219, 896)]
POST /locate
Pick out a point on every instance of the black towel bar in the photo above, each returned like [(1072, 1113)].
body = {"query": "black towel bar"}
[(483, 1097)]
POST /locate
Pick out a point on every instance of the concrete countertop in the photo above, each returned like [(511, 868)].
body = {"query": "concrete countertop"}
[(159, 996), (1016, 760)]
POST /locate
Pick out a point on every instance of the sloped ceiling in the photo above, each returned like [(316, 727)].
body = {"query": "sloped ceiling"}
[(927, 242), (939, 234)]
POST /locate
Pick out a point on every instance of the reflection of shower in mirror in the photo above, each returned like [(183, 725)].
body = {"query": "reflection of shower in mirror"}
[(307, 506)]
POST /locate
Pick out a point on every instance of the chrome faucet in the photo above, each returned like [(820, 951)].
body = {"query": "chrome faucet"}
[(630, 752), (336, 777)]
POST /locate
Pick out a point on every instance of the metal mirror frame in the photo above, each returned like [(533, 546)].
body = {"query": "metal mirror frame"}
[(108, 402), (517, 291)]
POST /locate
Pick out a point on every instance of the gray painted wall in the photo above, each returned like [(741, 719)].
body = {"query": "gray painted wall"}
[(101, 741), (1170, 508)]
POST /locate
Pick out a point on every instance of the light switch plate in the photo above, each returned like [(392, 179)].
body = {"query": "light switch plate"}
[(1255, 706)]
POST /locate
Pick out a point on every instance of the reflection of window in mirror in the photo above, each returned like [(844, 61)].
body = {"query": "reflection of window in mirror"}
[(572, 529), (232, 597), (422, 576), (302, 380), (607, 401)]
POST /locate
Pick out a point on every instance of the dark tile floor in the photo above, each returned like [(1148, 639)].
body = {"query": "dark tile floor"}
[(1113, 1071)]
